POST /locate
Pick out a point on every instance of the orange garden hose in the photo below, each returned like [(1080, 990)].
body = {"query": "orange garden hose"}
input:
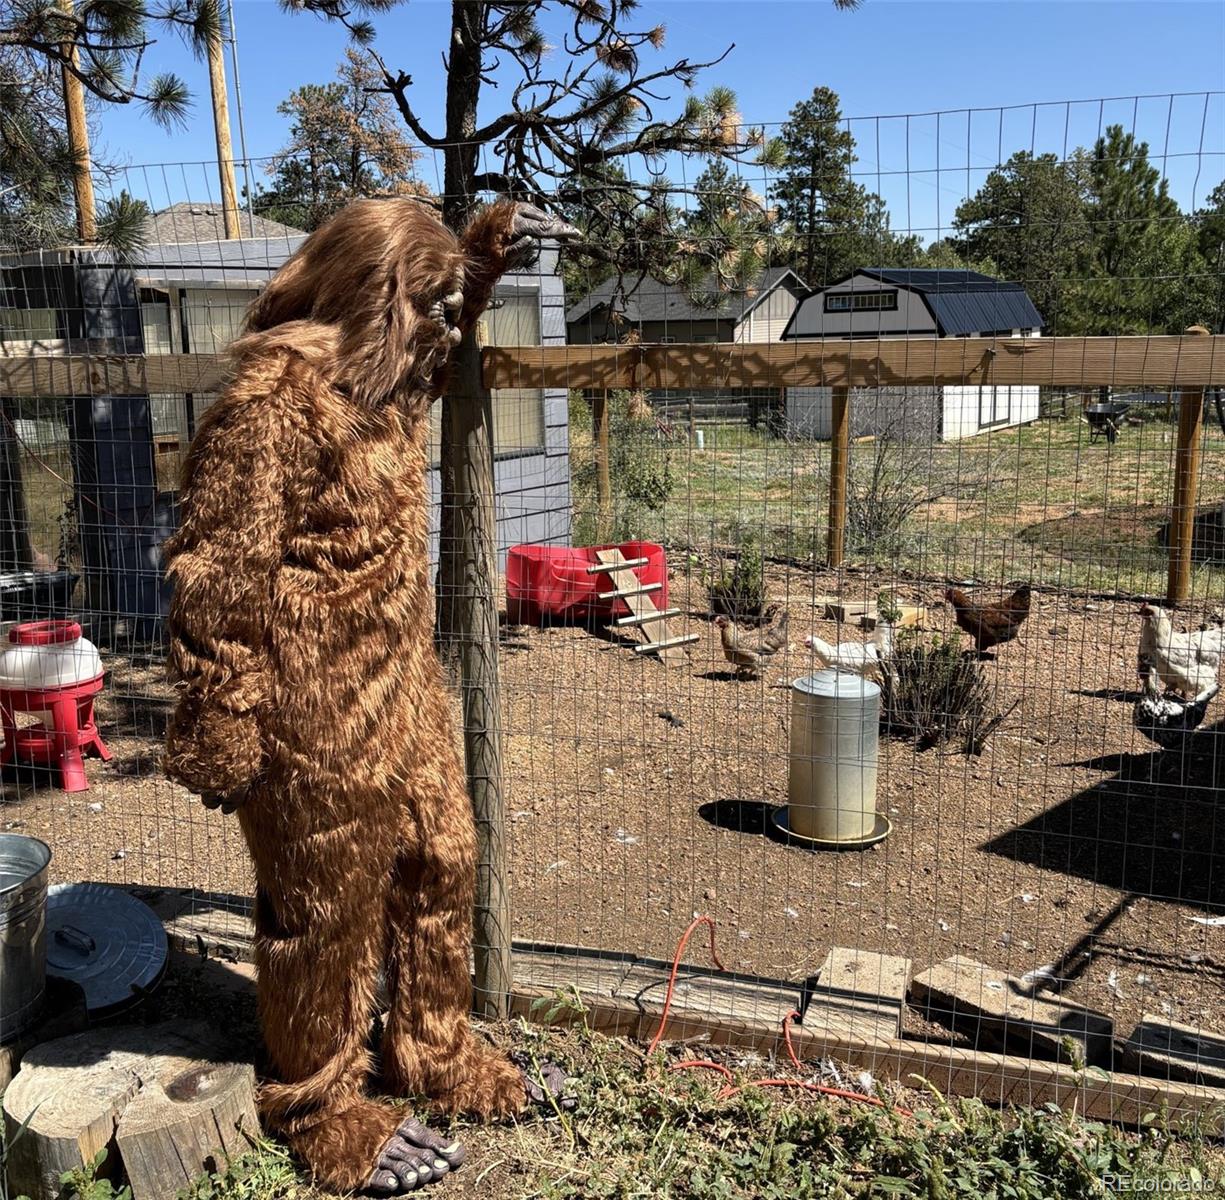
[(704, 1064)]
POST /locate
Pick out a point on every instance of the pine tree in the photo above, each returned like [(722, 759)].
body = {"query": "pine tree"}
[(1030, 220)]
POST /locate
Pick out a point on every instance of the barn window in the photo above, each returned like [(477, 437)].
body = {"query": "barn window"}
[(878, 301)]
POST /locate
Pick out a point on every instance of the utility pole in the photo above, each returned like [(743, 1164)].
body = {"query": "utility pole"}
[(78, 139), (221, 123)]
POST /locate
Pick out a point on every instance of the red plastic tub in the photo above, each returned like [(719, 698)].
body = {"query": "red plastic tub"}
[(551, 583)]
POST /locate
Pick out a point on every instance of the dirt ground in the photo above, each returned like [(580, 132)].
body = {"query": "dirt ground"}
[(1067, 845)]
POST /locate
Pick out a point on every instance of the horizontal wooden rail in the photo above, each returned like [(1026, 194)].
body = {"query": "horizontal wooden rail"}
[(1129, 362), (110, 374), (1183, 361)]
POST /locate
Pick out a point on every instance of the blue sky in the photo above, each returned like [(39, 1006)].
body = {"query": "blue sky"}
[(888, 59)]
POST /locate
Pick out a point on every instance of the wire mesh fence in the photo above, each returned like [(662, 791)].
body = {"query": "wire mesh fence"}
[(1035, 808)]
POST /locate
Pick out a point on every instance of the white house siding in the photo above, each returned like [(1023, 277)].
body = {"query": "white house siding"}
[(907, 414), (766, 322)]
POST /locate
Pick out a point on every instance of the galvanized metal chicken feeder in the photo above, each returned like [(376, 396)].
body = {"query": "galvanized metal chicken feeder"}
[(831, 785)]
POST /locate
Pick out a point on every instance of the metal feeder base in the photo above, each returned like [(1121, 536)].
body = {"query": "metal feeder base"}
[(780, 819)]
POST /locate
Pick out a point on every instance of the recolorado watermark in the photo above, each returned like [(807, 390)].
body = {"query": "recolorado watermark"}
[(1185, 1186)]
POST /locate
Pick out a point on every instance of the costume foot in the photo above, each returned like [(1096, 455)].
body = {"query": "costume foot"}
[(412, 1157), (541, 1075)]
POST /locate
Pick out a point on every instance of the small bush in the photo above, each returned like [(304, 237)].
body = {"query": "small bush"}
[(739, 590), (933, 691), (639, 469)]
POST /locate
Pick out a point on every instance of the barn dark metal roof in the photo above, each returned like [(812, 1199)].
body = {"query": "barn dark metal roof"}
[(960, 302)]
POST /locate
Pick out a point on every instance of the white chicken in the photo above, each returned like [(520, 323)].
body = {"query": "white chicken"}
[(1186, 662), (856, 658)]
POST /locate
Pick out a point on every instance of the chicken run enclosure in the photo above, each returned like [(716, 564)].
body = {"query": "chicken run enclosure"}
[(868, 457)]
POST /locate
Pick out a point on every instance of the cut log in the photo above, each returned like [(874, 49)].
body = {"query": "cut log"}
[(858, 993), (1159, 1047), (999, 1011), (63, 1013), (163, 1101)]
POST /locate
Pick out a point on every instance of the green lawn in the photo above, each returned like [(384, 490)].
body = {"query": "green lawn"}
[(1038, 502)]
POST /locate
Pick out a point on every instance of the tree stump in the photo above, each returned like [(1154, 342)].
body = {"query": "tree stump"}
[(162, 1099)]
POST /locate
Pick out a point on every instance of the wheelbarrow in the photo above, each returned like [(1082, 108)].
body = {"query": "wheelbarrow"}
[(1105, 420)]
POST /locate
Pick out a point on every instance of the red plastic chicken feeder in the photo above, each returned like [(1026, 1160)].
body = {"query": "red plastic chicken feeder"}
[(51, 671), (554, 583)]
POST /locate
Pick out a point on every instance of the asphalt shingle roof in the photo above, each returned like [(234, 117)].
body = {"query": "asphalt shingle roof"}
[(655, 301), (187, 222)]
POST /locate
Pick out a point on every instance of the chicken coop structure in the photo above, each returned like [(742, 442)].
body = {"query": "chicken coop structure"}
[(1054, 867), (877, 302), (181, 299)]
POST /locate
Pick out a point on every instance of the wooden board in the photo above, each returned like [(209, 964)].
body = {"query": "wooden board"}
[(1162, 1048), (858, 992), (704, 996), (189, 1106), (1177, 361), (1183, 361), (863, 612), (955, 1071), (998, 1011)]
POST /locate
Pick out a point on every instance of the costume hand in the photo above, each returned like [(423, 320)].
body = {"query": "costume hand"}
[(228, 803), (531, 226)]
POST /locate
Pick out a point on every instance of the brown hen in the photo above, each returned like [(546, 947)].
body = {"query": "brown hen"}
[(990, 624)]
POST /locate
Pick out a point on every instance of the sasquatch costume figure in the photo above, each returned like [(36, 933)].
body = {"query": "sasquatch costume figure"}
[(311, 698)]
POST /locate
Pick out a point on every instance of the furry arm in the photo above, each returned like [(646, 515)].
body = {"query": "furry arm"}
[(222, 562), (485, 246)]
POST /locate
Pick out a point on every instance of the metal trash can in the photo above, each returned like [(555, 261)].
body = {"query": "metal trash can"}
[(831, 786), (23, 931)]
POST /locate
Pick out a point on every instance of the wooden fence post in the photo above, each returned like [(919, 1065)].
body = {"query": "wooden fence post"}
[(603, 481), (1186, 484), (470, 418), (839, 452)]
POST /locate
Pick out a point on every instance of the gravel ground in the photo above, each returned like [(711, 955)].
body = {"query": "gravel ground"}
[(1065, 845)]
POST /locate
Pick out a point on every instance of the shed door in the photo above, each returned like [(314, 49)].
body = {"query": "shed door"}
[(992, 406)]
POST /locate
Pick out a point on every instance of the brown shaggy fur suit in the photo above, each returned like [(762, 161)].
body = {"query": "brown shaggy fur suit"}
[(311, 696)]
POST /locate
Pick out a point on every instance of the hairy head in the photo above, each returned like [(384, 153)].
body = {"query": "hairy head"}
[(368, 278)]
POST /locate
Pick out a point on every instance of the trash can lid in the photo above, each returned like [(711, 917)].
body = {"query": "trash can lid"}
[(105, 940), (836, 685)]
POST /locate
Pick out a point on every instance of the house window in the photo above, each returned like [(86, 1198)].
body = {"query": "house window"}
[(518, 413), (155, 322), (878, 301), (212, 317), (29, 324)]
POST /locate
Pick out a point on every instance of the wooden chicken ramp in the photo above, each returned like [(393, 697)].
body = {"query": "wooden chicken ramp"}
[(643, 614)]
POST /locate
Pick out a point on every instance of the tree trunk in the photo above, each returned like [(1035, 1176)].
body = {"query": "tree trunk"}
[(458, 201), (466, 596), (78, 141)]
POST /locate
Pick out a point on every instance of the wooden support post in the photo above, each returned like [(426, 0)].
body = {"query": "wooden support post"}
[(225, 147), (469, 417), (78, 140), (603, 481), (1186, 484), (839, 452)]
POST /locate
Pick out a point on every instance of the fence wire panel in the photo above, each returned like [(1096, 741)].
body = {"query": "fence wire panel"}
[(1035, 811)]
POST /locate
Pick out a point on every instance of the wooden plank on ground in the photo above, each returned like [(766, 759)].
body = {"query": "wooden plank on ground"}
[(858, 992), (1000, 1012), (954, 1070), (1182, 361), (704, 996), (1162, 1048)]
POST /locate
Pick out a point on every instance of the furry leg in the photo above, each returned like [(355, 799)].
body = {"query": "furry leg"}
[(428, 1046), (318, 938)]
